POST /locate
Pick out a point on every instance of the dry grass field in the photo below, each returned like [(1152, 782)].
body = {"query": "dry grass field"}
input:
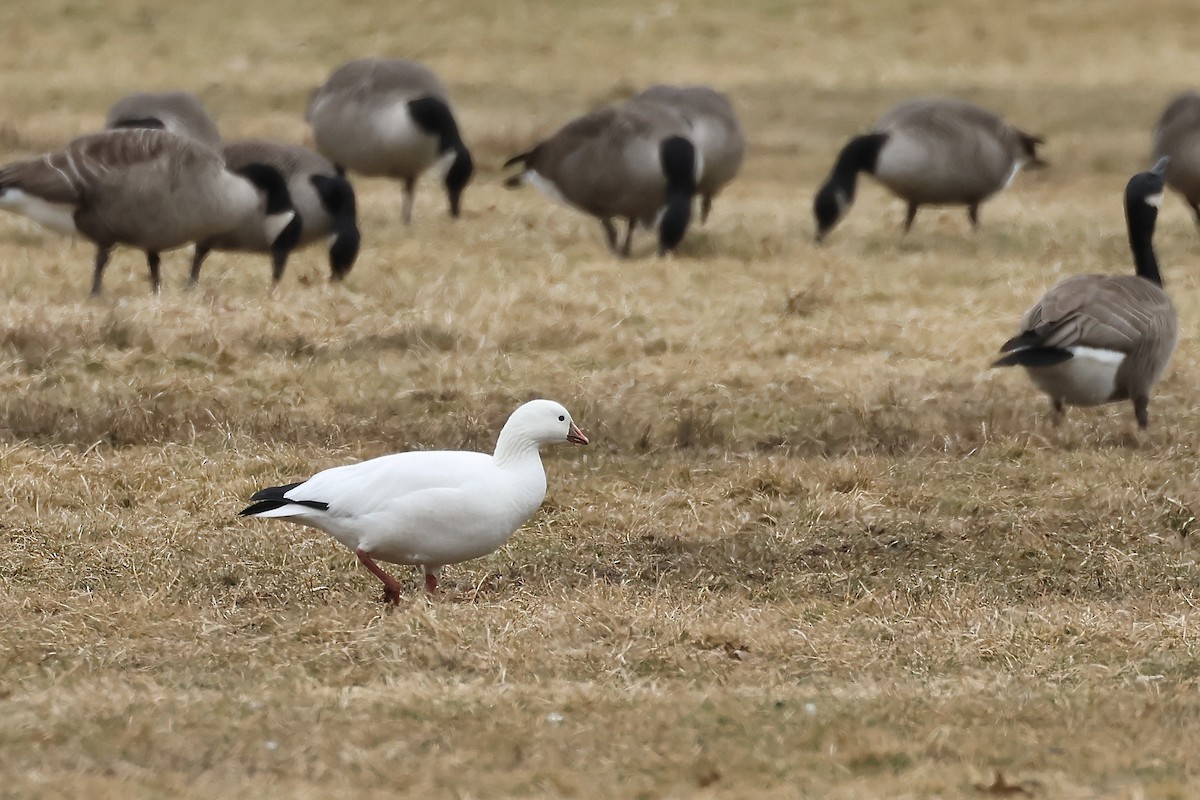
[(816, 548)]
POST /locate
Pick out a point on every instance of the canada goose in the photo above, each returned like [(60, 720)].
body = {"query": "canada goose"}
[(633, 161), (390, 118), (1096, 339), (182, 113), (323, 200), (716, 133), (1177, 136), (928, 151), (146, 188)]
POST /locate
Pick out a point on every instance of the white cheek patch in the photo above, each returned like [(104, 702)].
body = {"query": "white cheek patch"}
[(443, 164), (1155, 200), (58, 217), (274, 224)]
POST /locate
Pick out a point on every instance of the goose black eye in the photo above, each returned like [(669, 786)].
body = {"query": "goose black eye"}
[(561, 418)]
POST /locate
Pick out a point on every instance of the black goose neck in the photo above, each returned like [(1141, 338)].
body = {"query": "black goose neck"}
[(433, 115), (861, 154), (1141, 241)]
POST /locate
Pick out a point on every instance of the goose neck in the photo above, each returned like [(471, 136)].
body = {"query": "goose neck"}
[(1141, 243), (514, 447)]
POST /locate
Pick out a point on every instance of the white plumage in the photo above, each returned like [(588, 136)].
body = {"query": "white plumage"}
[(429, 508)]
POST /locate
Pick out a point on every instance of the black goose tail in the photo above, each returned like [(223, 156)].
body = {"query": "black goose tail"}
[(272, 498), (1030, 143), (139, 122), (515, 181), (1026, 356)]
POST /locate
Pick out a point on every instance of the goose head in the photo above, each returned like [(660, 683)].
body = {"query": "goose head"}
[(1143, 196), (457, 177), (541, 422), (829, 206)]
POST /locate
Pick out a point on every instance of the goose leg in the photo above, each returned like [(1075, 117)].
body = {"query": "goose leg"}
[(152, 260), (431, 582), (627, 247), (610, 235), (391, 587), (406, 211), (910, 216), (279, 259), (1059, 412), (198, 257), (102, 254), (705, 207), (973, 215), (1141, 410)]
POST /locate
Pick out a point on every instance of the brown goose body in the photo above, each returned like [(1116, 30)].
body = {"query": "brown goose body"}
[(930, 151), (716, 132), (389, 118), (1177, 137), (179, 112), (145, 188), (1094, 339), (323, 199), (630, 161)]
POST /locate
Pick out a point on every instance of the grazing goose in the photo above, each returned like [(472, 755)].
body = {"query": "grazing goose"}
[(1177, 136), (929, 151), (390, 118), (634, 161), (428, 508), (324, 203), (716, 133), (146, 188), (1096, 339), (181, 113)]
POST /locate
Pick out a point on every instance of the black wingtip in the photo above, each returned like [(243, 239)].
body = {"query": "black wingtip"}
[(261, 506), (274, 492)]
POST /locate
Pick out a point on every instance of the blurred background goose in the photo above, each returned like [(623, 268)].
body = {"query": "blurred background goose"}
[(1096, 339), (146, 188), (321, 196), (179, 112), (634, 161), (1177, 137), (390, 118), (324, 203), (930, 151), (716, 133)]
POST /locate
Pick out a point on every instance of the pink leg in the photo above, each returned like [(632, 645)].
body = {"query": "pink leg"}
[(391, 587), (431, 583)]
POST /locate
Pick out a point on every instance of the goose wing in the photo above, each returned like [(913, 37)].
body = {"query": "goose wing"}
[(1107, 312), (360, 489)]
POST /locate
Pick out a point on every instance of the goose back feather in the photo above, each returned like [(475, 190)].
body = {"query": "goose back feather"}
[(182, 113)]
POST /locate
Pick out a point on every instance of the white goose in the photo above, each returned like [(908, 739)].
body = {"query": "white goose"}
[(429, 508)]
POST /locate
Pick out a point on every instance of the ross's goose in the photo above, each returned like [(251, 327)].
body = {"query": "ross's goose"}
[(428, 508)]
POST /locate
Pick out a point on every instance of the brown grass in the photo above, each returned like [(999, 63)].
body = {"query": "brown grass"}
[(817, 549)]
